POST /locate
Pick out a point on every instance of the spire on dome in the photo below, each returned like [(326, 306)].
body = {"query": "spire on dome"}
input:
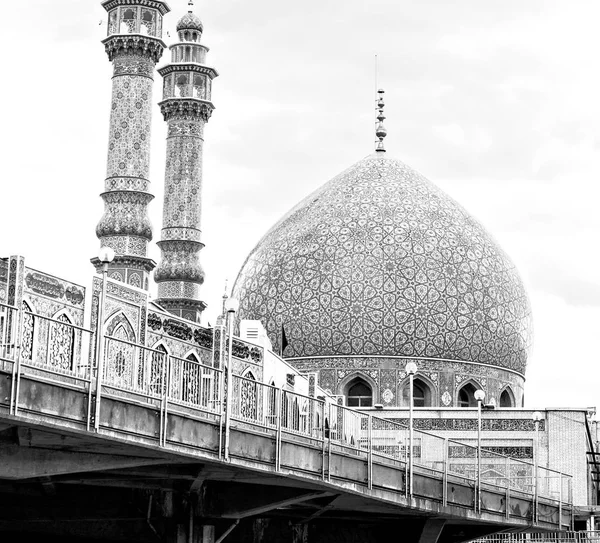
[(191, 5), (380, 130)]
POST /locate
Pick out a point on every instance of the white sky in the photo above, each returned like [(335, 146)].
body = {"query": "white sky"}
[(495, 101)]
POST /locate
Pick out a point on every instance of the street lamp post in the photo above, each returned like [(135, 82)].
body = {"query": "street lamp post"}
[(231, 306), (411, 369), (106, 255), (537, 417), (479, 396)]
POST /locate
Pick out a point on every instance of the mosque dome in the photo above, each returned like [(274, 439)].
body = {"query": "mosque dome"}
[(190, 21), (379, 262)]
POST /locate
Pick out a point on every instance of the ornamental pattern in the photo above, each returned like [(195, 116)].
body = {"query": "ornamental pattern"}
[(129, 136), (28, 333), (125, 225), (488, 425), (60, 350), (380, 261), (463, 451)]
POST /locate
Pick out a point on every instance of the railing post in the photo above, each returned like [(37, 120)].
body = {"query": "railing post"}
[(167, 386), (560, 483), (370, 452), (507, 479), (229, 396), (445, 478), (329, 443), (100, 346), (279, 411), (18, 362)]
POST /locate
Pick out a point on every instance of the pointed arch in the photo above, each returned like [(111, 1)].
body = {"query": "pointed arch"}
[(424, 391), (465, 396), (507, 397), (61, 341), (249, 395), (115, 321), (249, 375), (187, 372), (156, 370), (28, 331), (359, 389)]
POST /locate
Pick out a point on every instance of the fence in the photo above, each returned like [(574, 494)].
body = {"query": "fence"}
[(545, 537), (8, 326), (57, 347)]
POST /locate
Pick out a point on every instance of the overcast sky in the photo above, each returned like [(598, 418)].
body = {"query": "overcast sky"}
[(495, 101)]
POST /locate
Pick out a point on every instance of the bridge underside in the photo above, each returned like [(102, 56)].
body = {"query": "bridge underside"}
[(73, 487), (145, 470)]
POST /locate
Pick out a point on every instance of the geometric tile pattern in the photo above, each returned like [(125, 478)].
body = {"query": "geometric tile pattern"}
[(379, 261)]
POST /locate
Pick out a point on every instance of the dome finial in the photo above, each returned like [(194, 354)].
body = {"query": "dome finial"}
[(191, 5), (380, 130)]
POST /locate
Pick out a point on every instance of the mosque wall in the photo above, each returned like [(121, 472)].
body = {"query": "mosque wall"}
[(3, 279), (511, 432), (388, 380)]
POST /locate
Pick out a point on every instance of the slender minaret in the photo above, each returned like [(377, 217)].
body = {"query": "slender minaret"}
[(186, 107), (134, 46)]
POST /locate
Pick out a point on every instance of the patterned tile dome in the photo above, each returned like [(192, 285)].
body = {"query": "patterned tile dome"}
[(379, 261), (190, 21)]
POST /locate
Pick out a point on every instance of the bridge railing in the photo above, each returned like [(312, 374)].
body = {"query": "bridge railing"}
[(543, 537), (194, 384), (54, 346), (9, 318), (155, 374), (129, 370)]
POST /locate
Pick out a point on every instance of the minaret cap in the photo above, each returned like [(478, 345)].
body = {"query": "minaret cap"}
[(380, 130), (190, 21)]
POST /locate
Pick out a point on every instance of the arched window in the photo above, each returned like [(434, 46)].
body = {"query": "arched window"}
[(506, 398), (27, 334), (60, 343), (157, 362), (128, 21), (182, 84), (119, 357), (466, 396), (248, 394), (148, 26), (359, 394), (421, 394), (190, 379)]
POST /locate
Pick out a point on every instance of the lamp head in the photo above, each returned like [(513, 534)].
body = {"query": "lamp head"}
[(232, 305), (479, 395), (411, 368), (106, 255)]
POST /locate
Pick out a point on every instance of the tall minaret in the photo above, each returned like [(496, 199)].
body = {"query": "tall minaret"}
[(186, 107), (134, 46)]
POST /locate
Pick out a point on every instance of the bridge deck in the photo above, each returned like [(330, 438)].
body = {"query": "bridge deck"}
[(263, 436)]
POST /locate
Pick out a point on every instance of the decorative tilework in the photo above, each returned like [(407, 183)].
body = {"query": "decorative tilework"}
[(462, 451), (493, 425), (179, 274), (380, 261), (125, 226)]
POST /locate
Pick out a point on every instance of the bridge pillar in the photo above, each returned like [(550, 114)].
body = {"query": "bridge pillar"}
[(432, 530)]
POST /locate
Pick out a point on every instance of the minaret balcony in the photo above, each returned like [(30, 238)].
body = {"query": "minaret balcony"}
[(135, 17)]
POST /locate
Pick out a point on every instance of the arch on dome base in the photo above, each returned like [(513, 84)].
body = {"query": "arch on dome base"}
[(507, 397), (424, 392), (360, 387), (465, 395)]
